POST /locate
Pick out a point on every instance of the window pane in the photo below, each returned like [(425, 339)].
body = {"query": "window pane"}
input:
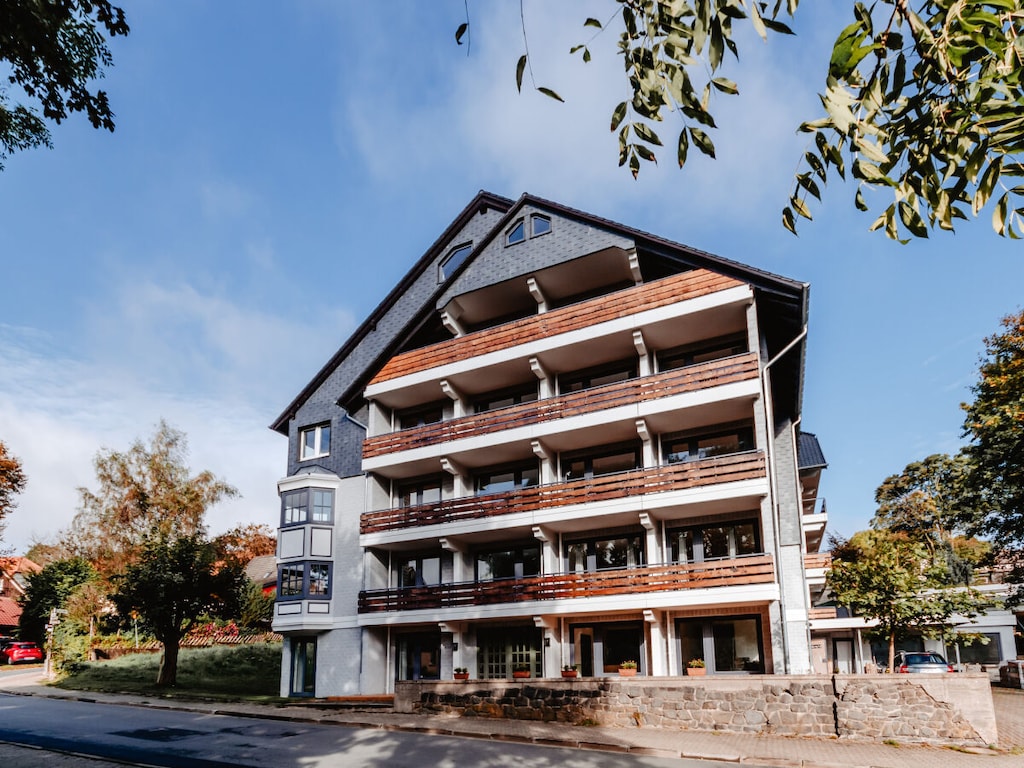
[(619, 462), (746, 539), (319, 579), (291, 580), (496, 482), (716, 542), (323, 506), (431, 569), (518, 233), (736, 646), (718, 446), (325, 439), (309, 442), (541, 225), (531, 561), (295, 507), (577, 557)]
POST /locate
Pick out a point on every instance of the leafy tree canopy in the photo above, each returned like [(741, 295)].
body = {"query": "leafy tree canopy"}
[(12, 482), (244, 542), (922, 100), (175, 581), (892, 579), (145, 491), (51, 588), (994, 422), (54, 49)]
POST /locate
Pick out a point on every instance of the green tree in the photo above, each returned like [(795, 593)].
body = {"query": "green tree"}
[(891, 579), (145, 491), (994, 422), (922, 100), (175, 581), (54, 49), (51, 588), (12, 482), (244, 542), (257, 609)]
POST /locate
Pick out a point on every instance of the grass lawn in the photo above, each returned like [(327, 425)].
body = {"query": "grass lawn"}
[(230, 672)]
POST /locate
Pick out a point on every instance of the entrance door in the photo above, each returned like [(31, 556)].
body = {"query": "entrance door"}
[(584, 651), (303, 666), (844, 656)]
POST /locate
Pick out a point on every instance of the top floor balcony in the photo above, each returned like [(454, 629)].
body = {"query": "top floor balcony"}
[(584, 315), (660, 385)]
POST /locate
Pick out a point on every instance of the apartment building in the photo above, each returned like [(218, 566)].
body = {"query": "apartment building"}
[(557, 441)]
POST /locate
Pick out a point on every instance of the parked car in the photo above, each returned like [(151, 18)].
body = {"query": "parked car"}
[(922, 662), (21, 653)]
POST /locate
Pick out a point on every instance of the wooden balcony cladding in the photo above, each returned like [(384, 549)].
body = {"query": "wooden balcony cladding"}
[(674, 477), (822, 613), (752, 569), (817, 560), (658, 293), (689, 379)]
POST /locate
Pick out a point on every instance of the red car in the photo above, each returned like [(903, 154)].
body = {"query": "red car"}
[(21, 653)]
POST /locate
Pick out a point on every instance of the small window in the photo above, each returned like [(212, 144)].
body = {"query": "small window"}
[(315, 442), (517, 234), (539, 225), (307, 505), (453, 261)]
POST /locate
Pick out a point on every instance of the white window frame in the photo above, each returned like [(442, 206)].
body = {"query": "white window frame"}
[(319, 448)]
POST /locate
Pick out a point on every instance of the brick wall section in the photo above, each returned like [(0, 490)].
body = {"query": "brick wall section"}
[(955, 710)]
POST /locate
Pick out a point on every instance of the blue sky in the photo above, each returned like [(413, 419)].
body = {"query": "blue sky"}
[(277, 167)]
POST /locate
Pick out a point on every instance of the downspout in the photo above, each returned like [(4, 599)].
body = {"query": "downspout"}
[(773, 485)]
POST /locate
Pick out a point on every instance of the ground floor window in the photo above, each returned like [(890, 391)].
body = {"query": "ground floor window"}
[(303, 682), (601, 648), (502, 650), (727, 644), (419, 656)]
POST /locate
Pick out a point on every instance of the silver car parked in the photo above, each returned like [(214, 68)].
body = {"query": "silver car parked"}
[(922, 662)]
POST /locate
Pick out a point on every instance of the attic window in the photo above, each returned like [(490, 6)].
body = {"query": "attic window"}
[(517, 234), (539, 225), (453, 261)]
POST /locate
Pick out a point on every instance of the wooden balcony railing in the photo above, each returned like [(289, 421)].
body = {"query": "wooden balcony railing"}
[(822, 613), (660, 385), (816, 560), (674, 477), (658, 293), (752, 569)]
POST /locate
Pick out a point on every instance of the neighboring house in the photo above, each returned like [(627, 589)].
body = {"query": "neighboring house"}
[(14, 573), (840, 640), (558, 440), (263, 571)]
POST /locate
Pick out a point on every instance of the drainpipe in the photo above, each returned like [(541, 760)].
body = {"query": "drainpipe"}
[(773, 485)]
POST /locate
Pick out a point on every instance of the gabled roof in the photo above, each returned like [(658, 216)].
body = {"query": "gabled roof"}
[(10, 612), (788, 299), (262, 569), (808, 451), (482, 200)]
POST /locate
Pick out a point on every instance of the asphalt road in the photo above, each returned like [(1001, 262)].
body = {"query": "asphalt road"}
[(37, 732)]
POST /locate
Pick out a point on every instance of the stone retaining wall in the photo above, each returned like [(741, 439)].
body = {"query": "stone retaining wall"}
[(939, 709)]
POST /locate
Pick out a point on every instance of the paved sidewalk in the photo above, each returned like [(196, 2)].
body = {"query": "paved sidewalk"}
[(727, 747)]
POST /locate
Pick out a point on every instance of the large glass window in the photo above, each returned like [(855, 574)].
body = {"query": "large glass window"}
[(307, 505), (314, 442), (303, 682), (419, 656), (725, 644), (978, 652), (505, 398), (509, 563), (424, 490), (297, 581), (606, 460), (692, 354), (508, 478), (410, 418), (706, 444), (597, 377), (719, 540), (605, 553), (419, 571), (500, 650)]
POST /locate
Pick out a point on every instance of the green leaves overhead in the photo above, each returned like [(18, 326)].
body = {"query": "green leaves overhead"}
[(925, 101)]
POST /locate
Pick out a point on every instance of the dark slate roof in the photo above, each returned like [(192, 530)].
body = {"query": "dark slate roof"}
[(809, 453)]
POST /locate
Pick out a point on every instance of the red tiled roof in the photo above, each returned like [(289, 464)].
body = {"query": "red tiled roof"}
[(10, 612)]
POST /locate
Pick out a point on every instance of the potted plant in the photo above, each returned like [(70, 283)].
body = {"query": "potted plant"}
[(570, 670), (627, 668), (519, 671), (696, 667), (461, 673)]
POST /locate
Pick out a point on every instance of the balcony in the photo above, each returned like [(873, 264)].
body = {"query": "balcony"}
[(674, 477), (690, 379), (752, 569), (660, 293)]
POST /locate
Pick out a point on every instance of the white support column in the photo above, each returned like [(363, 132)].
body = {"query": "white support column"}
[(458, 473), (649, 459), (548, 552), (450, 319), (455, 629), (538, 294), (654, 554), (634, 266), (659, 646), (459, 565), (378, 422), (642, 353), (547, 461), (457, 398), (547, 381)]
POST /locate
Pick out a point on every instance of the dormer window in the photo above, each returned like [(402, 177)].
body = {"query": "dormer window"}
[(315, 442), (539, 225), (453, 261), (517, 234)]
